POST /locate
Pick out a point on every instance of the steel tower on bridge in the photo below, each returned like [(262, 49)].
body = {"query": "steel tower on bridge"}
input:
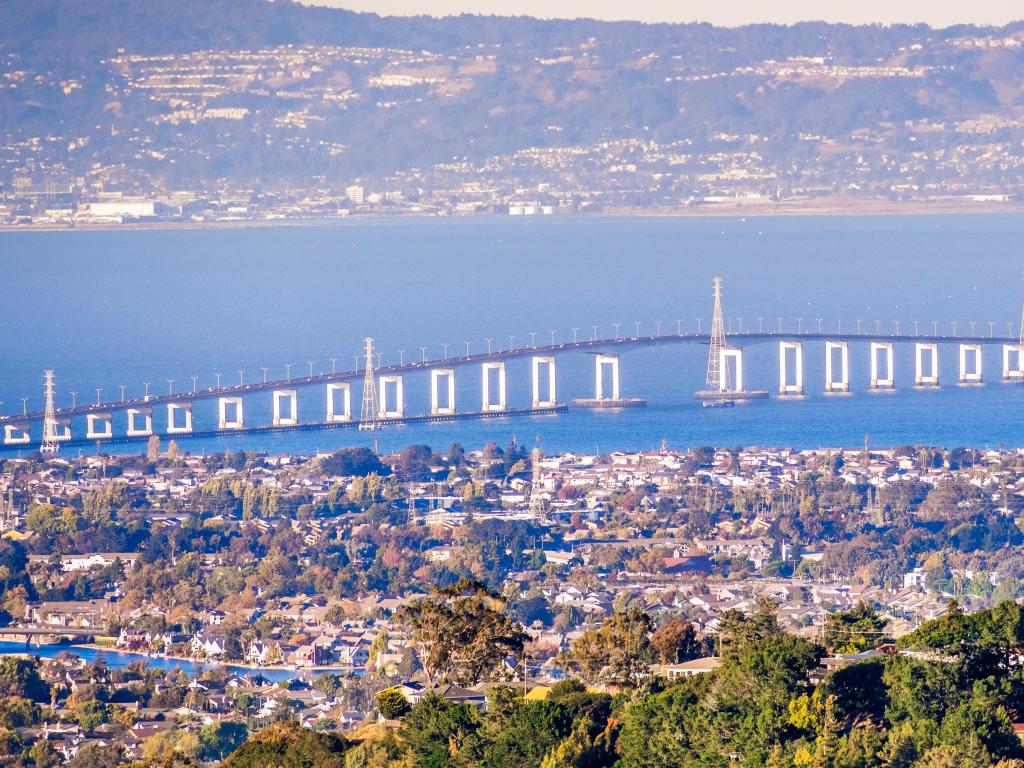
[(718, 375), (368, 415), (49, 444)]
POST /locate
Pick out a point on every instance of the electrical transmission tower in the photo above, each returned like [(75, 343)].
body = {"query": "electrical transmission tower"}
[(718, 375), (49, 444), (537, 506), (369, 414)]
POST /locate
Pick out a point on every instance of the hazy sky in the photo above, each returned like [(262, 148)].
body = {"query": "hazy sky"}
[(722, 12)]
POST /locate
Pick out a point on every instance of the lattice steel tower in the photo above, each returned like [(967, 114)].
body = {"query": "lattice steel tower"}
[(49, 444), (369, 414), (537, 507), (718, 375)]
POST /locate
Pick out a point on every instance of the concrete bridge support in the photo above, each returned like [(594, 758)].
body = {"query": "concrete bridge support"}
[(796, 387), (436, 409), (238, 420), (17, 434), (290, 416), (1013, 362), (735, 355), (486, 405), (134, 430), (346, 402), (549, 361), (921, 378), (970, 372), (842, 384), (878, 381), (599, 362), (173, 428), (399, 410), (62, 430), (99, 426)]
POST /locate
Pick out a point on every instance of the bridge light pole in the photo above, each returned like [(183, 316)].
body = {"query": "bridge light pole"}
[(819, 324), (1009, 329), (799, 325), (194, 380), (574, 341), (241, 377), (467, 350), (594, 337), (780, 323), (533, 339), (972, 327), (511, 343), (915, 327), (858, 326), (265, 371), (552, 337), (679, 327), (637, 324), (991, 328), (145, 385), (445, 347), (878, 327), (310, 364), (839, 326), (616, 326), (288, 371), (334, 365), (357, 362), (657, 328), (760, 325), (24, 405), (170, 387), (954, 327), (935, 327), (98, 390), (897, 324), (423, 354), (698, 326), (489, 339), (739, 321), (122, 388), (218, 379), (74, 400), (401, 358)]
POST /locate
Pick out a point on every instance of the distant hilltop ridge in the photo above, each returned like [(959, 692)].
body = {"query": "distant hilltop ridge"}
[(282, 108)]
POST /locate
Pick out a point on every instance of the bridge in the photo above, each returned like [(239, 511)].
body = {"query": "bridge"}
[(383, 400)]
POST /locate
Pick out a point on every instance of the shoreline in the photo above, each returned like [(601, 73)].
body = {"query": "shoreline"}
[(207, 662), (833, 207)]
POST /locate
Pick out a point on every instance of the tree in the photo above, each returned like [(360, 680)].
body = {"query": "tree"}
[(20, 677), (739, 631), (289, 744), (461, 632), (392, 704), (676, 641), (618, 652), (219, 739), (533, 728), (858, 629), (153, 448), (439, 733), (95, 755)]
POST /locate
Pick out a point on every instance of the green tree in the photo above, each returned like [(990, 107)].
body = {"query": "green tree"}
[(858, 629), (440, 733), (676, 641), (618, 652), (289, 745), (392, 704)]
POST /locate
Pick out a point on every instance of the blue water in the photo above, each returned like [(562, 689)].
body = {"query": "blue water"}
[(116, 660), (110, 308)]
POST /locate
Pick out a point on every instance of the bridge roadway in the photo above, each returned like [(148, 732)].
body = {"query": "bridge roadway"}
[(586, 345), (52, 632)]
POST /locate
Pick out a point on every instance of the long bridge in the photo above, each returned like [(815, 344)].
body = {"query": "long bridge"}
[(383, 400)]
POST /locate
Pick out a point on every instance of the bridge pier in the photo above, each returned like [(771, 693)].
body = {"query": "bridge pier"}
[(735, 354), (399, 409), (435, 376), (172, 418), (486, 405), (1013, 362), (599, 362), (94, 419), (134, 430), (291, 397), (970, 374), (238, 422), (881, 383), (16, 434), (346, 403), (843, 384), (785, 387), (922, 379), (549, 361)]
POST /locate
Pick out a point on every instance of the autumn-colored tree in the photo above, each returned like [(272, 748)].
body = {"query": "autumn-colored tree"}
[(676, 641)]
